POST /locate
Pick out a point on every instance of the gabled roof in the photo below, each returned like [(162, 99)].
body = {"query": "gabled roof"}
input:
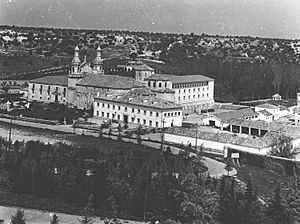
[(150, 101), (142, 67), (109, 81), (276, 95), (157, 77), (267, 106), (264, 112), (236, 114), (176, 79), (59, 80)]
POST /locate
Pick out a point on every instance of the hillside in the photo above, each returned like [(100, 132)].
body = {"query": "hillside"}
[(243, 67)]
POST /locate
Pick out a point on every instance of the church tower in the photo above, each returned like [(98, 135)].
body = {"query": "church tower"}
[(98, 63), (75, 69)]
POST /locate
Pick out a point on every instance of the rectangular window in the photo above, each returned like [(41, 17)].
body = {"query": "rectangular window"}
[(154, 84), (132, 119), (103, 104), (48, 91), (178, 113), (175, 113), (179, 91), (165, 85), (98, 104), (125, 109), (132, 110), (172, 114), (194, 89), (150, 123), (159, 84), (138, 120), (179, 98), (156, 124), (145, 112), (119, 116), (184, 97), (119, 107), (65, 92), (97, 113), (207, 94), (157, 114), (149, 84), (144, 121), (102, 114), (107, 114), (139, 111), (168, 114), (150, 113), (108, 106), (114, 107), (165, 114)]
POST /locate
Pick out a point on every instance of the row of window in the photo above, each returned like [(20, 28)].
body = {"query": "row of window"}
[(171, 114), (189, 85), (133, 119), (194, 90), (194, 96), (126, 109), (154, 84)]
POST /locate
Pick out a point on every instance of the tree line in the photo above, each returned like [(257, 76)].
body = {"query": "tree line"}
[(137, 182)]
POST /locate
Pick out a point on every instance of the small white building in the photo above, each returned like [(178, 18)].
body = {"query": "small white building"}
[(272, 109), (137, 107), (264, 115), (276, 97)]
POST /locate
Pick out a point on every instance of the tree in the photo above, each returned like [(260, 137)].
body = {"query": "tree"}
[(198, 204), (278, 211), (282, 146), (228, 167), (88, 211), (18, 218), (54, 219)]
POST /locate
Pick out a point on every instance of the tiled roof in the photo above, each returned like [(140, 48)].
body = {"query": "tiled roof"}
[(176, 79), (142, 91), (146, 101), (243, 113), (157, 77), (264, 112), (267, 106), (59, 80), (289, 130), (142, 67), (167, 90), (109, 81)]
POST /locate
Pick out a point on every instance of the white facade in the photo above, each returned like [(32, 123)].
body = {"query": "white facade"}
[(210, 144), (47, 93), (195, 96), (148, 116)]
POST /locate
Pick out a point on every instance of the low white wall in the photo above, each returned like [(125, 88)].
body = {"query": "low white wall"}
[(213, 144)]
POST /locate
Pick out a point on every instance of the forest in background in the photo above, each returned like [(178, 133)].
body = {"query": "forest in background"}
[(243, 67)]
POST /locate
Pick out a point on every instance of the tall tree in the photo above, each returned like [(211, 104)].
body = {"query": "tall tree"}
[(54, 219), (18, 218), (278, 211)]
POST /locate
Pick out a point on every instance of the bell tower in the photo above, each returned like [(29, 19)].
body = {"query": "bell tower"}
[(98, 63), (75, 69)]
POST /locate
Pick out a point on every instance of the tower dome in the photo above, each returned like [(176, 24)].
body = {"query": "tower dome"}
[(76, 59), (98, 60)]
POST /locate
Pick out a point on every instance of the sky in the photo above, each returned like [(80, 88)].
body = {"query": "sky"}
[(262, 18)]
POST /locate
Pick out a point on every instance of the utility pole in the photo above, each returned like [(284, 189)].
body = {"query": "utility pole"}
[(163, 133), (9, 134), (196, 137)]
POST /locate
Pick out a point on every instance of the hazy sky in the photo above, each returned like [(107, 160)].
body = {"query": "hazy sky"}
[(264, 18)]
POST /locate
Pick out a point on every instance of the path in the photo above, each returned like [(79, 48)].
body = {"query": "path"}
[(41, 217)]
